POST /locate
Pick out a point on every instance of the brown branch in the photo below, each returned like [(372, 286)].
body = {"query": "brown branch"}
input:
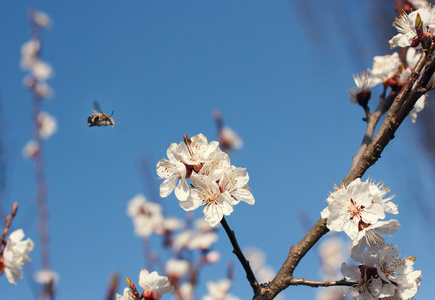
[(313, 283), (8, 222), (238, 252), (400, 108)]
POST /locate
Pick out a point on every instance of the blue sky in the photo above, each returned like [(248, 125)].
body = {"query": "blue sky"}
[(279, 78)]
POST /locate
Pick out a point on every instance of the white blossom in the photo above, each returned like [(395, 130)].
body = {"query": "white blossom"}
[(171, 170), (385, 67), (371, 237), (41, 19), (219, 290), (406, 27), (125, 296), (152, 282), (16, 253), (147, 216), (207, 192), (364, 81), (358, 203), (46, 276), (229, 139), (47, 125), (198, 150), (418, 107), (235, 181), (31, 150), (176, 268)]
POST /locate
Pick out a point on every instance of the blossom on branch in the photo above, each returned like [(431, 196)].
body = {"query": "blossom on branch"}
[(361, 93), (409, 26), (360, 204), (16, 253), (383, 274), (214, 182), (153, 285)]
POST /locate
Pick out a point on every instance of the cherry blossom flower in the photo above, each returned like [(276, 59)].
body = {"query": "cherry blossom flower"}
[(212, 257), (147, 216), (397, 273), (47, 125), (127, 295), (418, 107), (371, 237), (257, 261), (229, 139), (219, 290), (171, 170), (46, 277), (31, 150), (385, 67), (158, 285), (361, 93), (16, 253), (216, 167), (206, 192), (203, 241), (358, 203), (176, 268), (406, 26), (197, 150), (235, 181), (41, 19), (182, 240), (368, 286), (153, 285)]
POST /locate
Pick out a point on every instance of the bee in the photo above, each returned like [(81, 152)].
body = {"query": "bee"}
[(98, 118)]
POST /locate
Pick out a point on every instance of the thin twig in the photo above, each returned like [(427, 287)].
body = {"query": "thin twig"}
[(8, 222), (238, 252)]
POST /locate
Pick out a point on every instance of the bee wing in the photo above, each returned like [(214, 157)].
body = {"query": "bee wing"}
[(96, 107)]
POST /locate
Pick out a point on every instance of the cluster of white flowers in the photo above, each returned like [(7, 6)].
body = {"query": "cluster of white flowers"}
[(36, 81), (357, 210), (15, 254), (215, 182), (219, 290), (39, 70), (153, 285)]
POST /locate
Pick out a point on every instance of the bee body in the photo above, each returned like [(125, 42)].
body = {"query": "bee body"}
[(98, 118)]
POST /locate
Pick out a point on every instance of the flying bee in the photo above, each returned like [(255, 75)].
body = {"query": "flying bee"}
[(98, 118)]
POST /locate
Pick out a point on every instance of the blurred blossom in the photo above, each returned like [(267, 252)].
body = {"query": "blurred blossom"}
[(41, 19), (46, 277), (418, 107), (169, 225), (219, 290), (41, 70), (385, 67), (47, 125), (43, 90), (229, 139), (360, 94), (29, 53), (186, 291), (412, 57), (147, 216), (176, 268), (31, 150), (331, 293), (182, 240), (16, 253), (333, 252), (257, 260), (203, 241), (202, 225), (212, 257)]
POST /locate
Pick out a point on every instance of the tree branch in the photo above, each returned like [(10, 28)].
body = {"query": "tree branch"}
[(238, 252), (395, 116)]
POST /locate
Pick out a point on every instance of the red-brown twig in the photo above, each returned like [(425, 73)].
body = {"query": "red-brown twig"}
[(8, 222)]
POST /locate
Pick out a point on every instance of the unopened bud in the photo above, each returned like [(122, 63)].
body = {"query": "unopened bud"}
[(187, 140)]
